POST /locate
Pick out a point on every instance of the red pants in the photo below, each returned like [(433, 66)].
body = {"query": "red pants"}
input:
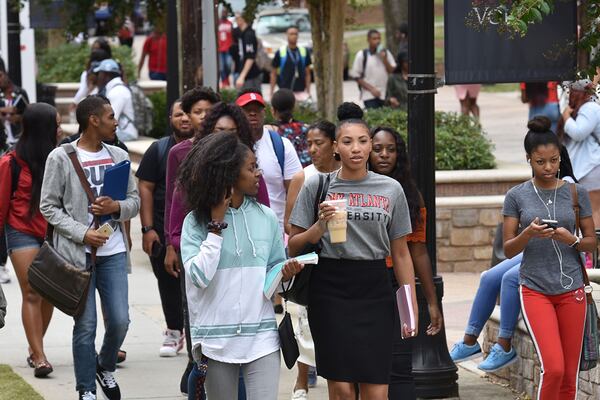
[(556, 327)]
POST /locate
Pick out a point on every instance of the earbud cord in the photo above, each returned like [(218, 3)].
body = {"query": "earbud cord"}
[(555, 245)]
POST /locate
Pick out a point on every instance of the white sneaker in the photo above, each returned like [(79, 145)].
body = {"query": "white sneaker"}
[(4, 276), (300, 394), (172, 343)]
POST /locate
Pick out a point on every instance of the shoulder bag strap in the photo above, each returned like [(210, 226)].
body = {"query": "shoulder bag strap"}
[(575, 200), (70, 149)]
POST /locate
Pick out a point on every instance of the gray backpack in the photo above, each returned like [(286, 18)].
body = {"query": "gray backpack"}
[(143, 109)]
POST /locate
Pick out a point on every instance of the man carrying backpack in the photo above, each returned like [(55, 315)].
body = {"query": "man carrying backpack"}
[(291, 67), (118, 93), (371, 69), (152, 174)]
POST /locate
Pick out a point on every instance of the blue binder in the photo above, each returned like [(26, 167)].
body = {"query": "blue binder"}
[(116, 180)]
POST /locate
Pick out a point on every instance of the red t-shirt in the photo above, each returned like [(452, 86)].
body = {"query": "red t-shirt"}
[(225, 35), (156, 47), (15, 211)]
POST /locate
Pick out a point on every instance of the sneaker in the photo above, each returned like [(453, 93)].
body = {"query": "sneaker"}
[(300, 394), (4, 276), (107, 382), (87, 395), (312, 377), (462, 352), (497, 359), (172, 343)]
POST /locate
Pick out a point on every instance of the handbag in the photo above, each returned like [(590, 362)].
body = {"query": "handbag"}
[(590, 350), (287, 338), (296, 290), (54, 277)]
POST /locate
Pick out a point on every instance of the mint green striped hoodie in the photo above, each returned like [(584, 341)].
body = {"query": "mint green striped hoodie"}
[(229, 314)]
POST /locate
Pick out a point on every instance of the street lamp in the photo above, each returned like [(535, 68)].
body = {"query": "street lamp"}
[(434, 372)]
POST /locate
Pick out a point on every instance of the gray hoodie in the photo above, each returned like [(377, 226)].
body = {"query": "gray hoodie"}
[(64, 204)]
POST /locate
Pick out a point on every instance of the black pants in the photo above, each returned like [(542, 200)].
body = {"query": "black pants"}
[(169, 289)]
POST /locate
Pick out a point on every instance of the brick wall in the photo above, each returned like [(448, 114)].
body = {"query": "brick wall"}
[(465, 234)]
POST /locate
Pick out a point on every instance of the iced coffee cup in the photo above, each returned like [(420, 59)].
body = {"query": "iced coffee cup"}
[(338, 224)]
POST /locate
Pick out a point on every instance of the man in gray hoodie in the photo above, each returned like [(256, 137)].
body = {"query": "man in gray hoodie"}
[(65, 205)]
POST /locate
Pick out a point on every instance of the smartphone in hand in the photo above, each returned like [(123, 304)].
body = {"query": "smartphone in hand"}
[(552, 223), (105, 230)]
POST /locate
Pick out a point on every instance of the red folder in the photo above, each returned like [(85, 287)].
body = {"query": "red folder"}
[(405, 308)]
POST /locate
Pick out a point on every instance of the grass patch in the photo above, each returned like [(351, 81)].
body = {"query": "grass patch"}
[(12, 386), (501, 87)]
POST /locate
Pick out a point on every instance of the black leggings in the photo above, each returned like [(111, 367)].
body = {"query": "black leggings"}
[(169, 289)]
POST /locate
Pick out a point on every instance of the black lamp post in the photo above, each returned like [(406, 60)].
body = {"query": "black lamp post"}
[(435, 373)]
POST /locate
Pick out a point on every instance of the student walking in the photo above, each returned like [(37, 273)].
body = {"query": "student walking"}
[(229, 243), (350, 296), (291, 67), (552, 292), (389, 157), (320, 139), (21, 174), (65, 206), (152, 181)]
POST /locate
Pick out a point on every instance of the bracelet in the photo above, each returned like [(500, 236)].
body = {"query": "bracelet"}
[(216, 226), (575, 243)]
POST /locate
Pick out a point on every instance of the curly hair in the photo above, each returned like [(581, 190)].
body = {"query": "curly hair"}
[(210, 171), (244, 132), (401, 173), (196, 94)]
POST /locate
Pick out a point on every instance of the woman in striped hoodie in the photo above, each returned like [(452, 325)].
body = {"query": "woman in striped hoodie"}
[(229, 243)]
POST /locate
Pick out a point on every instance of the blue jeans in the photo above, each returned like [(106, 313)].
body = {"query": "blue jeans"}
[(110, 279), (549, 110), (504, 279), (225, 61), (157, 76)]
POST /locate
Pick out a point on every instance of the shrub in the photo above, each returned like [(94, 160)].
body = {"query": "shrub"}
[(66, 62), (160, 119), (460, 143)]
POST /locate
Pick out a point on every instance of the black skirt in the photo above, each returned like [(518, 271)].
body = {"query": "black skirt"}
[(351, 317)]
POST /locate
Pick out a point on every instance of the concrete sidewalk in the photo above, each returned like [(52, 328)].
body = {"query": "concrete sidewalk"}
[(147, 376)]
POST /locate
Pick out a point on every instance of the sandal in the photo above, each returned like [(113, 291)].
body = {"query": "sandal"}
[(30, 361), (42, 369)]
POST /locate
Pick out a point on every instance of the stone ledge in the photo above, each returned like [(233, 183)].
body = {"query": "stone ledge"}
[(484, 175), (469, 201)]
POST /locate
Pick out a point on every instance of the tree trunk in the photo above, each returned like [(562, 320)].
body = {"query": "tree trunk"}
[(191, 43), (395, 12), (327, 20)]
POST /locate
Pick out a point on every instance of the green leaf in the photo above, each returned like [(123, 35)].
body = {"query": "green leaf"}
[(544, 7), (537, 15)]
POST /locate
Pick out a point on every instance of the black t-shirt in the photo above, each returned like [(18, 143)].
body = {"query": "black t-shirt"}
[(115, 142), (248, 47), (153, 168), (293, 71)]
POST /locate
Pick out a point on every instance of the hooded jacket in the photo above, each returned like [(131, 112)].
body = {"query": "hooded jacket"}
[(229, 314)]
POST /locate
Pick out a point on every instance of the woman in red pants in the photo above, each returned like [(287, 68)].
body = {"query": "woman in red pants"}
[(551, 283)]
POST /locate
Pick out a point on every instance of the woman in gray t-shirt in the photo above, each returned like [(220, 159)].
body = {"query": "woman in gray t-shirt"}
[(553, 300), (351, 305)]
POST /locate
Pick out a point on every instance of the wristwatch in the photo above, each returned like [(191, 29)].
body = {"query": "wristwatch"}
[(146, 229), (577, 241)]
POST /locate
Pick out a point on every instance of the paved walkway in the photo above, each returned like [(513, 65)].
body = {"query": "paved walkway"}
[(146, 376)]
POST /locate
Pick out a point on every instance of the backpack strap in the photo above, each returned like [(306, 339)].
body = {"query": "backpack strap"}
[(15, 171), (71, 152), (279, 149), (163, 148), (364, 62), (586, 279)]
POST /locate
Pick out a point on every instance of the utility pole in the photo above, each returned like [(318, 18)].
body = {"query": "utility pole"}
[(190, 23), (173, 88), (14, 45), (435, 373)]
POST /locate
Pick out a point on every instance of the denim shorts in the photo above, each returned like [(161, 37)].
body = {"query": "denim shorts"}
[(16, 240)]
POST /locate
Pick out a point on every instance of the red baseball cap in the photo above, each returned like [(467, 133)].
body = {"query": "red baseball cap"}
[(247, 98)]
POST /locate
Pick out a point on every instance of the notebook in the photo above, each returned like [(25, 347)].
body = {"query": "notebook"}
[(275, 274), (405, 308), (116, 180)]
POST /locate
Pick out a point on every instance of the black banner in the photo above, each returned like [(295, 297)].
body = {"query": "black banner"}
[(478, 49)]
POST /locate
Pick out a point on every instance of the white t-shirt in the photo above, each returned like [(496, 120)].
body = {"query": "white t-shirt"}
[(121, 101), (375, 73), (267, 161), (94, 165)]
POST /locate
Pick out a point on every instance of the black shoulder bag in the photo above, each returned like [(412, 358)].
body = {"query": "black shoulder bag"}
[(54, 277), (297, 290)]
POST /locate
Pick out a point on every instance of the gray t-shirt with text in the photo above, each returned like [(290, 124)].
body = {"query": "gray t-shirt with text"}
[(377, 213), (540, 267)]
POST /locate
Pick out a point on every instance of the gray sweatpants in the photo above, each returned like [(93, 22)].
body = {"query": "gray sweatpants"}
[(261, 378)]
